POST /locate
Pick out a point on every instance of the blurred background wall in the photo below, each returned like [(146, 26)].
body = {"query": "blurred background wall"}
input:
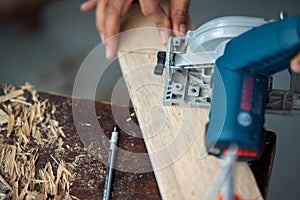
[(45, 41)]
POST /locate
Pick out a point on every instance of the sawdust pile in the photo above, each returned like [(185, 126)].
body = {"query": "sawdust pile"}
[(29, 124)]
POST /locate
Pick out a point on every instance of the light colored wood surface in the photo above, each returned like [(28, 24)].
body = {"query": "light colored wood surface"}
[(174, 136)]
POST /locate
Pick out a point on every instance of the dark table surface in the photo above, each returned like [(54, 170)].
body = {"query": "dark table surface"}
[(89, 148)]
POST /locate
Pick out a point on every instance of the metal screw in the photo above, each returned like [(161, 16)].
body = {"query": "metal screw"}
[(282, 15)]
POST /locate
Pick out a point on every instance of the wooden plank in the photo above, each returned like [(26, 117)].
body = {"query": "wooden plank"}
[(174, 136)]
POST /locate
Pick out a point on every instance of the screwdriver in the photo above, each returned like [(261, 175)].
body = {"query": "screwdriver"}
[(110, 163)]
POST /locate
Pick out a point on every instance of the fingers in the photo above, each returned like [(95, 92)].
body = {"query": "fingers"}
[(100, 17), (179, 15), (112, 27), (295, 63), (100, 6), (109, 12), (153, 10), (113, 17), (88, 5), (108, 18)]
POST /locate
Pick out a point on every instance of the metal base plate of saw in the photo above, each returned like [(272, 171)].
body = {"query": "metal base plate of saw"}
[(190, 60)]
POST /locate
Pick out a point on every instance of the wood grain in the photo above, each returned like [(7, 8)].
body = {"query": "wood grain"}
[(174, 136)]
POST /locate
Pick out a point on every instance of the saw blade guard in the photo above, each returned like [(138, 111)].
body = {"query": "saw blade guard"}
[(190, 60)]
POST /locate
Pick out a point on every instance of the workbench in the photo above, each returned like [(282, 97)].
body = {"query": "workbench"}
[(89, 172)]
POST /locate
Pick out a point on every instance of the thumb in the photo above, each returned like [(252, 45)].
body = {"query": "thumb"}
[(295, 63)]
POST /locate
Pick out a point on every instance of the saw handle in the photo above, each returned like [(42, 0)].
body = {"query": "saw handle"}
[(240, 85), (264, 50)]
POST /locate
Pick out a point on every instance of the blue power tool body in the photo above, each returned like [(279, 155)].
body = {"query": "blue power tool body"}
[(240, 86)]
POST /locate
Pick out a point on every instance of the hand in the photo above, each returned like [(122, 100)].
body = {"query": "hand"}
[(110, 12), (295, 63)]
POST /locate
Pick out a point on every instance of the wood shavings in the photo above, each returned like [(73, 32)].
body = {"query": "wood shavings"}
[(20, 101), (77, 159), (54, 159), (11, 95), (26, 86), (11, 121), (60, 145), (53, 109), (60, 130), (3, 117), (63, 177), (26, 119), (132, 114), (50, 184), (4, 182), (73, 197), (30, 121), (87, 124), (128, 119)]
